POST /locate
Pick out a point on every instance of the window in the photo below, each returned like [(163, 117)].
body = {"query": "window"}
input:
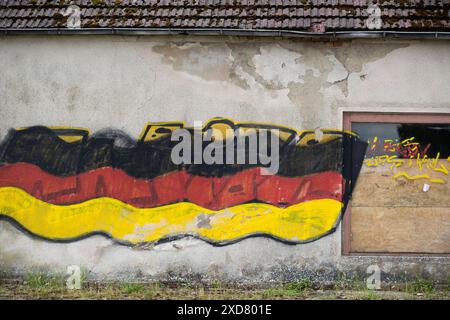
[(401, 201)]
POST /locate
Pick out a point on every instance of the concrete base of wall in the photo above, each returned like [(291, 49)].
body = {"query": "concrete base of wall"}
[(251, 262)]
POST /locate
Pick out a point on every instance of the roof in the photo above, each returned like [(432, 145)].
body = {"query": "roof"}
[(294, 15)]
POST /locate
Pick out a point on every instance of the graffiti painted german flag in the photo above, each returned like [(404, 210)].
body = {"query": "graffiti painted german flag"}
[(63, 184)]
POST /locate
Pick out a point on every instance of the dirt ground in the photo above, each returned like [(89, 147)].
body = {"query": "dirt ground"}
[(41, 287)]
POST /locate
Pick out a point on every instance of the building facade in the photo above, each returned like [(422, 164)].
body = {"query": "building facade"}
[(83, 94)]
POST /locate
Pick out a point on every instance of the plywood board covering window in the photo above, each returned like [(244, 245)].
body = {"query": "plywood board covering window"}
[(401, 202)]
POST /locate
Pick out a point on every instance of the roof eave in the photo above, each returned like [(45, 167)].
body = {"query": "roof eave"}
[(229, 32)]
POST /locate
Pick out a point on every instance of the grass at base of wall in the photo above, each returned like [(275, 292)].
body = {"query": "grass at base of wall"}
[(41, 286)]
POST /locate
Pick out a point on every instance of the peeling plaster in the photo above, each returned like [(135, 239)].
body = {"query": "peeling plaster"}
[(313, 76), (280, 67), (207, 61), (353, 57), (203, 221), (338, 73)]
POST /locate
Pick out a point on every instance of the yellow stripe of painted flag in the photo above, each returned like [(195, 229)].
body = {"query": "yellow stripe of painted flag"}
[(126, 223)]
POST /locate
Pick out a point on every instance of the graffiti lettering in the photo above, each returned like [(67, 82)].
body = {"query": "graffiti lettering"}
[(406, 153)]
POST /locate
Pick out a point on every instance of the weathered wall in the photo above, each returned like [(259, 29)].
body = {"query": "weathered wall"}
[(125, 82)]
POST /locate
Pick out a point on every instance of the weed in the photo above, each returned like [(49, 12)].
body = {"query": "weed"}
[(215, 284), (41, 280), (421, 285), (370, 295), (292, 289), (300, 286), (131, 288)]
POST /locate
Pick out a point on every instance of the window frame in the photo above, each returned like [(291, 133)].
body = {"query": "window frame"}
[(384, 117)]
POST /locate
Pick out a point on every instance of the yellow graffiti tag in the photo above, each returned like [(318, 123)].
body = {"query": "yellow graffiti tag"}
[(442, 169), (421, 162), (407, 176), (437, 181)]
